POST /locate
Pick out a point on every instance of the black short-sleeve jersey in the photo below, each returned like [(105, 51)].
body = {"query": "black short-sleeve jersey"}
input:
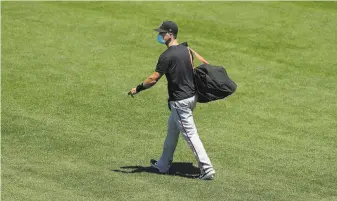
[(175, 63)]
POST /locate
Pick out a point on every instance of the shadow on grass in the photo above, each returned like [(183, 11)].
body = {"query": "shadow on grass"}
[(181, 169)]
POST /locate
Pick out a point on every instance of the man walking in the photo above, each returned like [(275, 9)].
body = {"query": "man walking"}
[(176, 64)]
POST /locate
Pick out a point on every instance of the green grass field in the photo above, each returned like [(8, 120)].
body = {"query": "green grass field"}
[(70, 132)]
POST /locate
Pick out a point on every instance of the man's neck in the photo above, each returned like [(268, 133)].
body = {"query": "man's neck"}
[(172, 43)]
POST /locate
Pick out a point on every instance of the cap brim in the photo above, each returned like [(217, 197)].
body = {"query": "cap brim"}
[(160, 30)]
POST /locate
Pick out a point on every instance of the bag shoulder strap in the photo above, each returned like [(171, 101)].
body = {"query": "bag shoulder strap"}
[(198, 56), (189, 52)]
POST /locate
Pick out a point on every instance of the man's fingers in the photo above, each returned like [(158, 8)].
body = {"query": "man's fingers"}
[(130, 93)]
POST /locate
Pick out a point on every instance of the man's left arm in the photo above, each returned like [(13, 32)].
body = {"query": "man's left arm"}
[(146, 84)]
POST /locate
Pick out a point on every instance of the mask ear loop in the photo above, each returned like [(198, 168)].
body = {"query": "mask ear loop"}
[(170, 34), (169, 40)]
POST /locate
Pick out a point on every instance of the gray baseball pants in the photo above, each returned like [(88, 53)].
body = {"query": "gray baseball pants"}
[(181, 120)]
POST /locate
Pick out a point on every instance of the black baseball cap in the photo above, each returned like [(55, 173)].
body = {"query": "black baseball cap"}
[(168, 26)]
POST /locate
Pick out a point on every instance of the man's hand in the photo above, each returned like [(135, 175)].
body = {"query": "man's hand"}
[(149, 82), (132, 92)]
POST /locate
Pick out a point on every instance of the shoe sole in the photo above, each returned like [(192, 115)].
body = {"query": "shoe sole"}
[(208, 176)]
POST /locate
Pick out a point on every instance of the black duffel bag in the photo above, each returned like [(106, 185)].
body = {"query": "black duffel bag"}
[(212, 83)]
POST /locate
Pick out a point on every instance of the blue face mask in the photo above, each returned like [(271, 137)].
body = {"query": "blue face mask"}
[(160, 39)]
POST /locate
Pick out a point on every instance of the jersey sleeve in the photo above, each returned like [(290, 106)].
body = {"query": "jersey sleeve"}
[(162, 65)]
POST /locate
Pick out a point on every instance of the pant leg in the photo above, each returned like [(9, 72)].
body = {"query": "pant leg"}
[(170, 144), (184, 118)]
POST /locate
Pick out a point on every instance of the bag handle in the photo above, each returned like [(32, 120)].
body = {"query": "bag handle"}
[(198, 56)]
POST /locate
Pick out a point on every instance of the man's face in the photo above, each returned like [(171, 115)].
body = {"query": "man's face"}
[(166, 36)]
